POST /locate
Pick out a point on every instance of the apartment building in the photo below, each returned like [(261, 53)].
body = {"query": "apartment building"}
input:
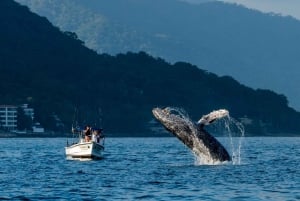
[(8, 117)]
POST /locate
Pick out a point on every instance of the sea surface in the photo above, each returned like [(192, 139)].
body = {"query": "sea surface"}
[(149, 169)]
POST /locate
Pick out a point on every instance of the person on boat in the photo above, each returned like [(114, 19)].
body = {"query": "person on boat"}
[(87, 133), (97, 135), (94, 135)]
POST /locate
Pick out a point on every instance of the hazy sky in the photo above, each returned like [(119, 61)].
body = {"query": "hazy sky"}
[(284, 7)]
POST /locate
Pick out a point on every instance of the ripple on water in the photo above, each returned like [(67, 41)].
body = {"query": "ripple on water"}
[(148, 169)]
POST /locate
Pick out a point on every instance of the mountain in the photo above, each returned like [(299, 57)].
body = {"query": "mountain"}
[(55, 74), (258, 49)]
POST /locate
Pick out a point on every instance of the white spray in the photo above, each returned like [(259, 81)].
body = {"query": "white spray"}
[(236, 131), (233, 129)]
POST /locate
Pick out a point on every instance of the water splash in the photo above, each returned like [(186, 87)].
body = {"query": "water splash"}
[(235, 133), (235, 130), (181, 113), (198, 161), (232, 129)]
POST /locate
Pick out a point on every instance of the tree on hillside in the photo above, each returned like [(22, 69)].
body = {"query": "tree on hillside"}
[(24, 122)]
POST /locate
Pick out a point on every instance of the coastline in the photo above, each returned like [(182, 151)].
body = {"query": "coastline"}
[(125, 135), (52, 134), (33, 135)]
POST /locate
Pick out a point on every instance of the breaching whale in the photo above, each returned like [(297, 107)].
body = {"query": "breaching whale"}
[(193, 135)]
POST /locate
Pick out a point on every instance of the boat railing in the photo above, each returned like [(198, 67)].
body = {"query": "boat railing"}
[(96, 136)]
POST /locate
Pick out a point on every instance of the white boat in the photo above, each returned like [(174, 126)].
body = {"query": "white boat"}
[(85, 149)]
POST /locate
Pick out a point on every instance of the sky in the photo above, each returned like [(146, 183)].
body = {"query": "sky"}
[(284, 7)]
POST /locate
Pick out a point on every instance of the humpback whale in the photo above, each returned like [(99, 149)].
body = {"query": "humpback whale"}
[(193, 135)]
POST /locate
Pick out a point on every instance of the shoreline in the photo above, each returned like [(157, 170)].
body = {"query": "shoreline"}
[(34, 135), (123, 135)]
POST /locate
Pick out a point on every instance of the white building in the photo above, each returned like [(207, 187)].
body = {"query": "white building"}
[(37, 128), (8, 117), (28, 111)]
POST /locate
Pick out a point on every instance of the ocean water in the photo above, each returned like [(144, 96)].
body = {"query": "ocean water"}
[(149, 169)]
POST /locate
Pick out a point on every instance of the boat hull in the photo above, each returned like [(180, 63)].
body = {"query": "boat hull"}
[(89, 150)]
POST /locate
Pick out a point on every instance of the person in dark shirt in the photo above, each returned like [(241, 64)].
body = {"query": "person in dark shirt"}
[(87, 133)]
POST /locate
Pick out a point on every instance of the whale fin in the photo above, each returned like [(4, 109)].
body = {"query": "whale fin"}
[(211, 117)]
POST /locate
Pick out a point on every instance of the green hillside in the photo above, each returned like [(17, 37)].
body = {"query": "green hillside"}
[(55, 73), (257, 49)]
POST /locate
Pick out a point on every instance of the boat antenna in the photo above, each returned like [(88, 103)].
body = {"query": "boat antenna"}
[(100, 116), (75, 117), (74, 122)]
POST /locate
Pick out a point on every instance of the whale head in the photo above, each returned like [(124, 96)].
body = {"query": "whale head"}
[(176, 123)]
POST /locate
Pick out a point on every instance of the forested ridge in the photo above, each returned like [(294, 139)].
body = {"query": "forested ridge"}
[(258, 49), (55, 73)]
